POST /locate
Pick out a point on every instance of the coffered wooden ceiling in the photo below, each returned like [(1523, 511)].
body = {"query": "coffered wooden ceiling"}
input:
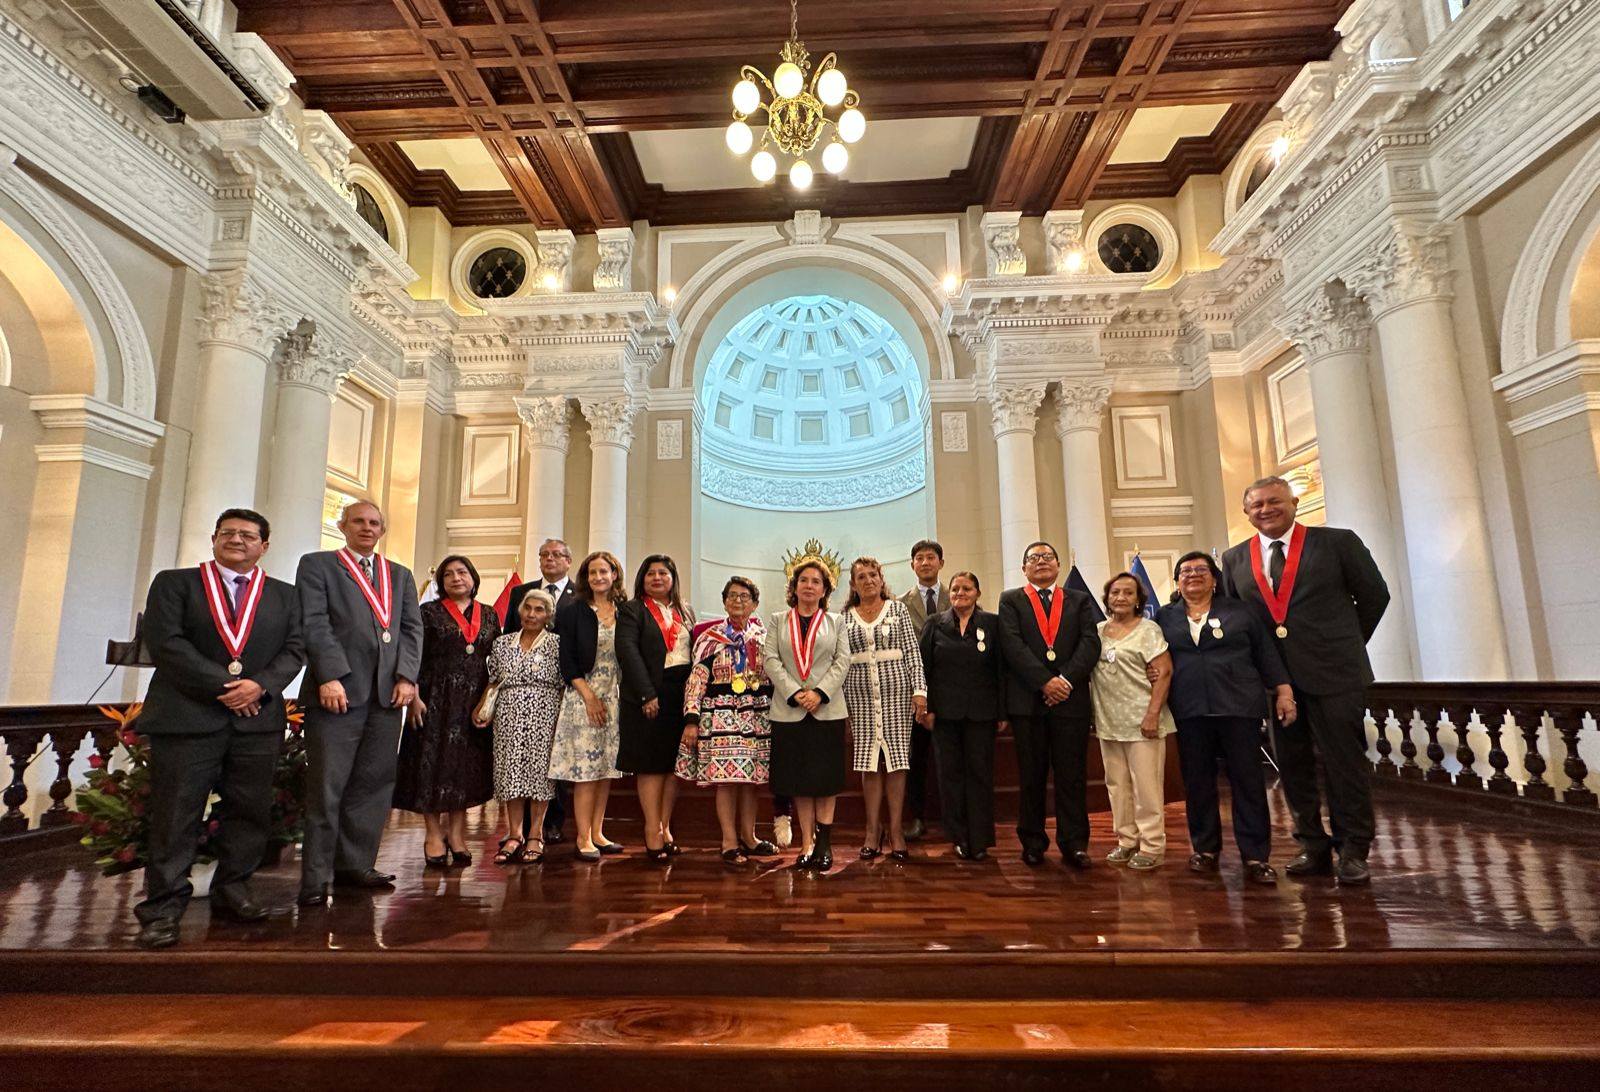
[(553, 88)]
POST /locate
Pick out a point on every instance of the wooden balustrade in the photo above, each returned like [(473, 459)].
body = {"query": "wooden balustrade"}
[(1498, 715), (38, 733)]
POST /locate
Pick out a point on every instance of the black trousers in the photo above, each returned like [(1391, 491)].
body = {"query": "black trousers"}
[(1046, 746), (1332, 727), (184, 771), (964, 750), (917, 777), (1237, 742)]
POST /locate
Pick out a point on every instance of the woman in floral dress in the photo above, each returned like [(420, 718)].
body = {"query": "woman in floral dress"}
[(727, 739)]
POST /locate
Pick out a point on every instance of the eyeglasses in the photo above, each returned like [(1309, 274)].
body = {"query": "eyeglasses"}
[(736, 597), (1034, 559), (242, 536), (1193, 572), (554, 553)]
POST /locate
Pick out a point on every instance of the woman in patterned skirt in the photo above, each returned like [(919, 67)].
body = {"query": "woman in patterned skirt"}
[(585, 747), (444, 766), (886, 695), (727, 740), (527, 666)]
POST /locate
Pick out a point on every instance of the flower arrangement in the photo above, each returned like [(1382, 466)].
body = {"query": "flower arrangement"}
[(112, 807)]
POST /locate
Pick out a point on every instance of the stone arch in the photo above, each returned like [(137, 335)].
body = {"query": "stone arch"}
[(1560, 262), (121, 369)]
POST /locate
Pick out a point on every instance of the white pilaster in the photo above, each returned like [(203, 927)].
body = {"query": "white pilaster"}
[(546, 425), (1080, 408), (308, 376), (1015, 412), (610, 438)]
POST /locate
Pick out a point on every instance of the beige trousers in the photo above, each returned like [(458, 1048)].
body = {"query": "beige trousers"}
[(1135, 773)]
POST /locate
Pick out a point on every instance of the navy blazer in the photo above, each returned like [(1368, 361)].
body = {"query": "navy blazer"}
[(1230, 671), (963, 683), (578, 626)]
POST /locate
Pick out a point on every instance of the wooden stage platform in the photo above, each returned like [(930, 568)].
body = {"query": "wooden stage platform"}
[(1473, 959)]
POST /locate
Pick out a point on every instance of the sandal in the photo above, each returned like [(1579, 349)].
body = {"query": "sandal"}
[(511, 856), (533, 856)]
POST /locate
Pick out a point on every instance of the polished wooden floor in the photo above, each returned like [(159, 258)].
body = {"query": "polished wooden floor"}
[(1446, 877)]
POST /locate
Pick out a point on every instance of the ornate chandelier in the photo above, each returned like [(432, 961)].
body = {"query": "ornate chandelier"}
[(796, 110)]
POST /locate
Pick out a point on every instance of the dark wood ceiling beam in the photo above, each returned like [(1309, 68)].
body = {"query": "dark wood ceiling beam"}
[(1189, 156), (436, 189)]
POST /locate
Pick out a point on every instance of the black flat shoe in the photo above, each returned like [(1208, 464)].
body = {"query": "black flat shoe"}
[(656, 854), (672, 849), (1260, 872), (590, 855), (762, 848), (899, 855), (552, 835), (1203, 862), (980, 855), (370, 879), (733, 856), (459, 858), (804, 862), (1033, 858), (610, 849), (244, 911), (1080, 860), (963, 852), (1310, 864), (161, 933), (1353, 871), (441, 861), (312, 896)]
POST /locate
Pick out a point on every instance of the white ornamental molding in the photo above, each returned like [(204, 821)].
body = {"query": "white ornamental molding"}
[(1063, 240), (1411, 264), (953, 431), (610, 421), (1015, 408), (807, 227), (614, 273), (255, 59), (309, 358), (236, 310), (555, 259), (327, 149), (1080, 407), (1002, 244), (1326, 323), (547, 421), (786, 493)]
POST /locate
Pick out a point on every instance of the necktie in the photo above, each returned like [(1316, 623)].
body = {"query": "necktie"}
[(241, 585), (932, 601), (1275, 564), (366, 568), (1044, 599)]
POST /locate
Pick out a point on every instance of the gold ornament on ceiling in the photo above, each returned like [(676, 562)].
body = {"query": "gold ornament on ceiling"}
[(796, 106)]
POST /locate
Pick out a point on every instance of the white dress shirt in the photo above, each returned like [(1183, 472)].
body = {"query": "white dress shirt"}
[(1266, 542)]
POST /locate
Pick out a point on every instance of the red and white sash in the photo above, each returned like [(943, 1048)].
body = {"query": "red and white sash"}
[(381, 598), (805, 648), (1277, 600), (235, 634), (469, 630), (666, 621)]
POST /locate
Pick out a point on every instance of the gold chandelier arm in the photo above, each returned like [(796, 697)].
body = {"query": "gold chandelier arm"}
[(754, 74), (850, 100), (830, 61)]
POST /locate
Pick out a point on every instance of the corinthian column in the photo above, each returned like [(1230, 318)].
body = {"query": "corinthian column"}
[(546, 423), (1460, 633), (610, 437), (1332, 330), (1015, 410), (308, 375), (1079, 410), (238, 328)]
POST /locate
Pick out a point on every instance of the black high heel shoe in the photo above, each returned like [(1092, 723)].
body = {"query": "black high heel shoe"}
[(441, 861), (869, 852), (459, 858), (823, 854)]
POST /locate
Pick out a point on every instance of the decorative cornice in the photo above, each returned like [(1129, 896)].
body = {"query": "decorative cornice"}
[(96, 418)]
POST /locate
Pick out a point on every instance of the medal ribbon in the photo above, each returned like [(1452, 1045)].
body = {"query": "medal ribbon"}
[(1048, 627), (236, 635), (381, 600), (736, 645), (1278, 601), (665, 622), (469, 630), (805, 649)]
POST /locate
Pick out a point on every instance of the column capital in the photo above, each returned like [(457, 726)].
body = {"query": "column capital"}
[(236, 309), (555, 259), (610, 420), (614, 273), (546, 421), (307, 359), (1080, 406), (1327, 323), (1015, 407), (1409, 265), (1002, 244)]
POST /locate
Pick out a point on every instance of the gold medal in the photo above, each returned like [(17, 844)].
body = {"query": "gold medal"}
[(738, 685), (1282, 631), (387, 637), (982, 647), (235, 668), (1050, 654), (471, 648)]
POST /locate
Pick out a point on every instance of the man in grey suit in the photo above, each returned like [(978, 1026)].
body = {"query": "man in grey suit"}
[(924, 601), (1324, 596), (363, 634)]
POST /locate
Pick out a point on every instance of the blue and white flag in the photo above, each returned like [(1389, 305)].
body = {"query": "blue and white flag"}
[(1151, 602)]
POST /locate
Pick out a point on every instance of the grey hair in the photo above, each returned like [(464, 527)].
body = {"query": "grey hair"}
[(1262, 483), (344, 513), (542, 596)]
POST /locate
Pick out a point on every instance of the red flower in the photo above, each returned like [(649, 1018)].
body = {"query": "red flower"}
[(80, 818), (136, 807), (96, 762), (109, 788), (125, 854), (211, 827), (99, 829)]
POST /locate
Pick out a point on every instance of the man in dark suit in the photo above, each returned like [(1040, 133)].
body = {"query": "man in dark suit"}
[(1324, 596), (363, 631), (555, 562), (924, 601), (225, 639), (1048, 636)]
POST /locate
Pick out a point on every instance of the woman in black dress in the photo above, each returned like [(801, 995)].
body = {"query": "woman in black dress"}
[(966, 705), (654, 655), (446, 765)]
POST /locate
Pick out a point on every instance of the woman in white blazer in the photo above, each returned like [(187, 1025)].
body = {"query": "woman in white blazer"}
[(807, 655)]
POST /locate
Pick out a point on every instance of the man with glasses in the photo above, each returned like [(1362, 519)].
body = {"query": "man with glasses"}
[(555, 559), (1048, 636), (225, 639)]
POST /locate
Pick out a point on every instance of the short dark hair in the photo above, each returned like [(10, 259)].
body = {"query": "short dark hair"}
[(1028, 549), (1198, 555), (743, 582), (245, 514), (970, 576), (1142, 596), (675, 597), (438, 572), (794, 578), (927, 544)]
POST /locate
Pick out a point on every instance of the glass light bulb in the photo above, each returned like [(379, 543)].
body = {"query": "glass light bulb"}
[(739, 138), (852, 124), (788, 79), (800, 175), (835, 158), (831, 87), (763, 166), (746, 96)]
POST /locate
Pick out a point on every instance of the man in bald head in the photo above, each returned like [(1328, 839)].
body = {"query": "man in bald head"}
[(363, 634)]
